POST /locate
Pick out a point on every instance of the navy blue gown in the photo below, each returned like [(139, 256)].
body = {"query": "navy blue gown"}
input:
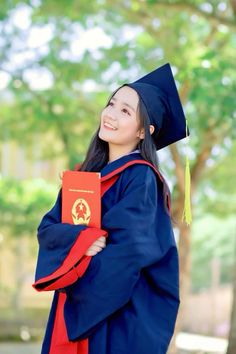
[(128, 298)]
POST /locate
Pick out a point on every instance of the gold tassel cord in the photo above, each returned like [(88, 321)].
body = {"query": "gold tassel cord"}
[(187, 213)]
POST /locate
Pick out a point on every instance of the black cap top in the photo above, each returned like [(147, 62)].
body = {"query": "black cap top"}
[(159, 94)]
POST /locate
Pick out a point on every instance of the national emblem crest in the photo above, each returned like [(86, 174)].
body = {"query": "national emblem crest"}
[(81, 212)]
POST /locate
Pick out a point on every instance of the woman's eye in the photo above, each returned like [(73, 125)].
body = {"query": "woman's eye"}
[(123, 110), (126, 111)]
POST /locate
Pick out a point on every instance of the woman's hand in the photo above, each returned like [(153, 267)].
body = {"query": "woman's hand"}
[(96, 247)]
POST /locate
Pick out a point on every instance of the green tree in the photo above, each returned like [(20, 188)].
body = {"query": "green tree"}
[(21, 207)]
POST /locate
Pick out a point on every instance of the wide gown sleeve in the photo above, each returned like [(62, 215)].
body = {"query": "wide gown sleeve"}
[(61, 247), (133, 243)]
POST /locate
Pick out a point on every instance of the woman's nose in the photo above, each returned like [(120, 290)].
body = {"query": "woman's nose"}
[(112, 114)]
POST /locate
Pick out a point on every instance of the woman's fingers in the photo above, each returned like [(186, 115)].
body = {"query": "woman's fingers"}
[(101, 241), (100, 244), (92, 251), (96, 247)]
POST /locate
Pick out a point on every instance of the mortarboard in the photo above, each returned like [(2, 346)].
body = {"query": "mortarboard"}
[(159, 93)]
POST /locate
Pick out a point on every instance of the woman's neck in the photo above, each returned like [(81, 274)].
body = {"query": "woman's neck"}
[(114, 155)]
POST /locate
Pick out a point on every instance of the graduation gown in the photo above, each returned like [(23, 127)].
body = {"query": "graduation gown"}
[(127, 299)]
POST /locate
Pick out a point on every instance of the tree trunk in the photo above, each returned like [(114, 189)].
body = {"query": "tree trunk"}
[(184, 229), (184, 269), (232, 334)]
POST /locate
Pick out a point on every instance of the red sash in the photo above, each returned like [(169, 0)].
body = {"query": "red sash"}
[(60, 343)]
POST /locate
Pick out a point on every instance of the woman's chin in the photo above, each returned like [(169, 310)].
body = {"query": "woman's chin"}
[(104, 137)]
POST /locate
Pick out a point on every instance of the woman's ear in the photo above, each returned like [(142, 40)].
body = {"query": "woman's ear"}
[(152, 128), (141, 134)]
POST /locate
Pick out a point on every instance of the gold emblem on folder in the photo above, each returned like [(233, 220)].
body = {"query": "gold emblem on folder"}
[(81, 212)]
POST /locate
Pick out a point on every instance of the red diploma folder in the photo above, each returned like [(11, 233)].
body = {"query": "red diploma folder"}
[(81, 198)]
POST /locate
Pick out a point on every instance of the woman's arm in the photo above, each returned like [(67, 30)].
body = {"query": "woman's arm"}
[(61, 246)]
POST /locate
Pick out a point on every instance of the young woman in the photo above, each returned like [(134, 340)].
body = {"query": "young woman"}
[(127, 299)]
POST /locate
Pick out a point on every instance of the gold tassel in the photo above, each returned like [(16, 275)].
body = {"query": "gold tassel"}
[(187, 214)]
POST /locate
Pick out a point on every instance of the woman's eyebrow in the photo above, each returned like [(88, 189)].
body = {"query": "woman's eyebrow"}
[(124, 103)]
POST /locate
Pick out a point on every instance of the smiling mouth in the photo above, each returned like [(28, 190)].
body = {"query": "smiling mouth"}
[(109, 126)]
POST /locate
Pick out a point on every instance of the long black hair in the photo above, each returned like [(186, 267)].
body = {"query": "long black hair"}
[(98, 152)]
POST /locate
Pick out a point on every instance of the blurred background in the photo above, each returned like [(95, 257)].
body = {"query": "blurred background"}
[(59, 62)]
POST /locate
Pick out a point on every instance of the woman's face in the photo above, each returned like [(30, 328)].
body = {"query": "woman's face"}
[(119, 120)]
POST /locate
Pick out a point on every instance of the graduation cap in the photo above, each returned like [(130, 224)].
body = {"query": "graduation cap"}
[(160, 96)]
